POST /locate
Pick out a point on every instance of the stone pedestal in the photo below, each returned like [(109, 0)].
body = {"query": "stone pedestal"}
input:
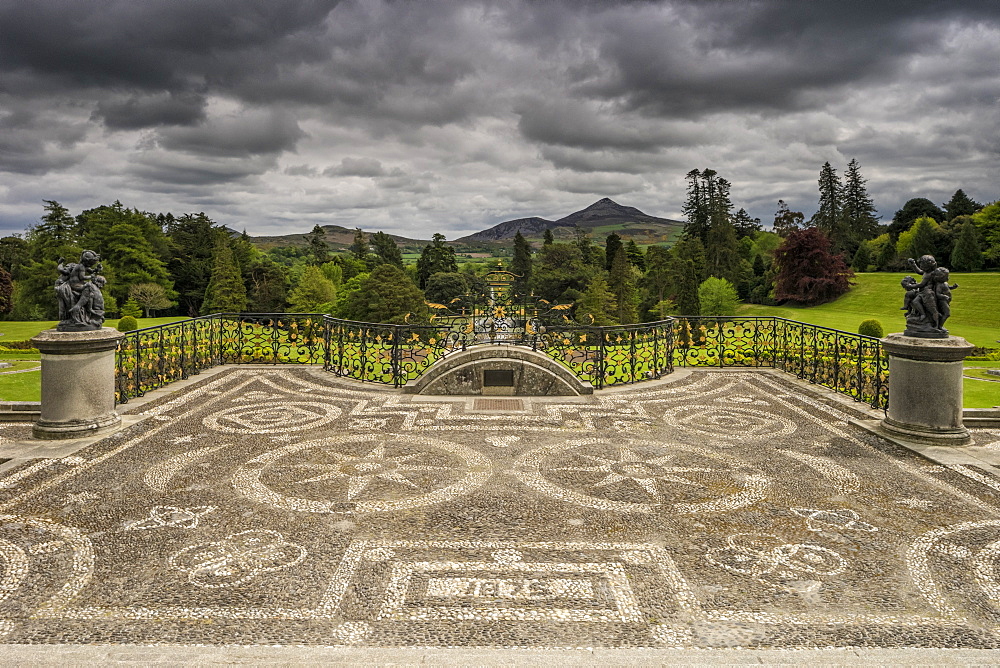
[(78, 383), (925, 389)]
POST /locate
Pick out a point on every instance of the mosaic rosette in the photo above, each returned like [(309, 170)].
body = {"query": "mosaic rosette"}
[(364, 473)]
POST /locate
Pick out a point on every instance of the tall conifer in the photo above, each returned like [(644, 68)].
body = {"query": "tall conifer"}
[(226, 292)]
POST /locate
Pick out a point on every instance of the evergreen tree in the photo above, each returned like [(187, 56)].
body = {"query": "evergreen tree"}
[(132, 309), (687, 262), (521, 264), (717, 297), (722, 252), (56, 230), (436, 257), (226, 292), (967, 255), (589, 251), (192, 240), (786, 221), (268, 286), (611, 246), (386, 250), (129, 259), (313, 291), (829, 217), (656, 282), (635, 255), (918, 240), (443, 287), (387, 295), (808, 272), (360, 249), (559, 272), (886, 257), (862, 257), (597, 306), (319, 249), (859, 210), (623, 286), (918, 207), (744, 225), (547, 238), (13, 253), (6, 292), (960, 205), (695, 207)]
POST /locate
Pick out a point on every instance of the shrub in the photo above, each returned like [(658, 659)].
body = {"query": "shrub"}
[(127, 324), (871, 328)]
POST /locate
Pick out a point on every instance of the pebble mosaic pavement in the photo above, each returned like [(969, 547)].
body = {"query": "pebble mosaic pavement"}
[(286, 507)]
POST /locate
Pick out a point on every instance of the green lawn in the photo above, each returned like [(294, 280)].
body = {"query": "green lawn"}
[(21, 386), (975, 309), (980, 393), (24, 330)]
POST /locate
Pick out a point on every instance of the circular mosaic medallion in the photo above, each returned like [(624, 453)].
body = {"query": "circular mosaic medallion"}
[(362, 473), (733, 423), (641, 476), (272, 418), (960, 564)]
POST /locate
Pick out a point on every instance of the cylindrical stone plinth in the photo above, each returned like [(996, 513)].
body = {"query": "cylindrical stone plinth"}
[(78, 383), (925, 389)]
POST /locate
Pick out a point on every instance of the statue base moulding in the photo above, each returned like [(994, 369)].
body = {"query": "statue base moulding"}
[(78, 383)]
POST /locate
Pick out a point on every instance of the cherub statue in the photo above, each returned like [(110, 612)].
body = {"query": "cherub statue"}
[(927, 302), (78, 288)]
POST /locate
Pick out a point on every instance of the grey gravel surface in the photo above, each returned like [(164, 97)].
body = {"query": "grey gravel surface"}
[(714, 511)]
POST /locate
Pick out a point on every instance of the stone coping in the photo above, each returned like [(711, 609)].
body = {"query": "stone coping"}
[(53, 342), (951, 349)]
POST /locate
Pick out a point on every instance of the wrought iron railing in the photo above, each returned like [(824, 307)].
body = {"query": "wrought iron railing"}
[(845, 362), (852, 364), (152, 357)]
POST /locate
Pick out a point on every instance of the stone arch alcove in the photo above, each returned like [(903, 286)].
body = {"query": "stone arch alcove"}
[(498, 370)]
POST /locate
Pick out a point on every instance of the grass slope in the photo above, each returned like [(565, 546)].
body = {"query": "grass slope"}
[(975, 308)]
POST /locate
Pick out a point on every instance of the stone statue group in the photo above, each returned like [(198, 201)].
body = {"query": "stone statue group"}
[(928, 301), (78, 288)]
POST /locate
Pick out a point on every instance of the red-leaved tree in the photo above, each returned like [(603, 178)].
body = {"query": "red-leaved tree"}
[(807, 271)]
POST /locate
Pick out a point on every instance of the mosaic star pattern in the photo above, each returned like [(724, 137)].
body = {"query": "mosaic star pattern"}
[(283, 506)]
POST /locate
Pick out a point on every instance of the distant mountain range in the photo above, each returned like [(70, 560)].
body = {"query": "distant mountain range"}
[(602, 217), (599, 219)]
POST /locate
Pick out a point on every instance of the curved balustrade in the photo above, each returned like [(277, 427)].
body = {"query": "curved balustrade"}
[(849, 363)]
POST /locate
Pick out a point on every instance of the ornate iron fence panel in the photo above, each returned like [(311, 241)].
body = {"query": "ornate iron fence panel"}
[(272, 338), (849, 363), (154, 356)]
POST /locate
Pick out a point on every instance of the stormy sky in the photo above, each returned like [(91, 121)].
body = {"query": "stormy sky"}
[(415, 117)]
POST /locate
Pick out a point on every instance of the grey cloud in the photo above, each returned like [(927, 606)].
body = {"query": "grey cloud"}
[(201, 171), (301, 170), (356, 167), (143, 111), (572, 123), (33, 143), (250, 133)]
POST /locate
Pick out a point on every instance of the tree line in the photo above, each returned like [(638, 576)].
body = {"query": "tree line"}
[(190, 265)]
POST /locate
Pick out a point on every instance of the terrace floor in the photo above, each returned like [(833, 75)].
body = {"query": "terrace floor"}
[(252, 509)]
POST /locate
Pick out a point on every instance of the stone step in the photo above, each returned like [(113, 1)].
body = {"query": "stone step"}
[(20, 411), (981, 418)]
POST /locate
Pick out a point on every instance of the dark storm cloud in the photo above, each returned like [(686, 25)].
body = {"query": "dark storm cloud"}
[(709, 57), (142, 111), (251, 133), (150, 44), (444, 110)]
